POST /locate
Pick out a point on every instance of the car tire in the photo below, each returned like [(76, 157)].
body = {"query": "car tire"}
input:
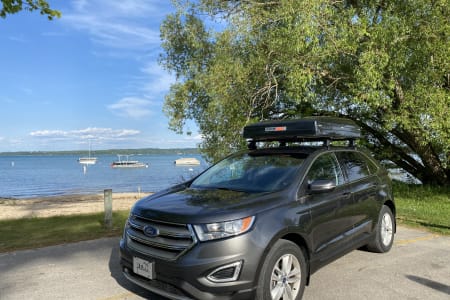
[(283, 274), (384, 233)]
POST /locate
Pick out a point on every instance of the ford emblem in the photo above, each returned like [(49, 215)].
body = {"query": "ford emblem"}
[(151, 231)]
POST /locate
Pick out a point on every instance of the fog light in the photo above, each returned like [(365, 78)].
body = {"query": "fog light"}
[(226, 273)]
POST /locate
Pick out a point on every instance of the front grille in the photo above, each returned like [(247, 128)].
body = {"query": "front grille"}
[(171, 240)]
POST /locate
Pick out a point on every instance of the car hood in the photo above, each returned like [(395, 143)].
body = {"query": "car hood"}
[(195, 206)]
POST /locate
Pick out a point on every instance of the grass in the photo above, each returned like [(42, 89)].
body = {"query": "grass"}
[(419, 206), (30, 233), (423, 206)]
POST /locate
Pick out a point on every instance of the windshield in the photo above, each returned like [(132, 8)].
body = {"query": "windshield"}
[(251, 172)]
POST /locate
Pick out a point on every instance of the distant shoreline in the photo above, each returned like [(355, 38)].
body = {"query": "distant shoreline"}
[(142, 151)]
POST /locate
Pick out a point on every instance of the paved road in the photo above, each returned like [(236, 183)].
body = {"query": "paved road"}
[(418, 267)]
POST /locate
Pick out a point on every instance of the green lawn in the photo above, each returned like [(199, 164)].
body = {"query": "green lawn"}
[(419, 206), (39, 232), (423, 206)]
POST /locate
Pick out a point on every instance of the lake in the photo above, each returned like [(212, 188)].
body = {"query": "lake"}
[(41, 175)]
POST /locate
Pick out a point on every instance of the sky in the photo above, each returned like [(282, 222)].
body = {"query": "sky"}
[(89, 77)]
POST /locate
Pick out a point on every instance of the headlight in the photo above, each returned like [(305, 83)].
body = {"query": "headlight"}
[(206, 232)]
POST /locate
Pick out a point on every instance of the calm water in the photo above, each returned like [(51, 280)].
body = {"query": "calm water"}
[(30, 176)]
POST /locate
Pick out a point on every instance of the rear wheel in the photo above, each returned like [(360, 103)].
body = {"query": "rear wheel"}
[(384, 236), (283, 275)]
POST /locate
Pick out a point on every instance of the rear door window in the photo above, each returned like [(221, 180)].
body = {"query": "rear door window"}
[(325, 167)]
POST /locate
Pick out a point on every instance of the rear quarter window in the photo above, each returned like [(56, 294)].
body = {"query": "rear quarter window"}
[(356, 165), (373, 167)]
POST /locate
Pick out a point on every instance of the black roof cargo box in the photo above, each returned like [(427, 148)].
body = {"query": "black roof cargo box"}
[(311, 128)]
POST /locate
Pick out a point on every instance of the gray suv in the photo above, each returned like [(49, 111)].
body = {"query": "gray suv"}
[(257, 224)]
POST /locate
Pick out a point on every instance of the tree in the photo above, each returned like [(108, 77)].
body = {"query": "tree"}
[(14, 6), (383, 64)]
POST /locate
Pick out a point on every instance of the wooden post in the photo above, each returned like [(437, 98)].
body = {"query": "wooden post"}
[(108, 208)]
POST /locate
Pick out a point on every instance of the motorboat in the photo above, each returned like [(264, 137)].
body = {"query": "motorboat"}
[(128, 163), (187, 161)]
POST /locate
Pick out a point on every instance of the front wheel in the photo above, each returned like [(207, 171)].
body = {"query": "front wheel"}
[(384, 235), (283, 274)]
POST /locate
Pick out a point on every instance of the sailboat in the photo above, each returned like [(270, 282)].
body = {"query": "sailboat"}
[(88, 160)]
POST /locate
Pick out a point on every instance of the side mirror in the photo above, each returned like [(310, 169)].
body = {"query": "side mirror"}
[(321, 185)]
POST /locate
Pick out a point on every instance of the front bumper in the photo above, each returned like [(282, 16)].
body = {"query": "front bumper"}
[(155, 286), (186, 276)]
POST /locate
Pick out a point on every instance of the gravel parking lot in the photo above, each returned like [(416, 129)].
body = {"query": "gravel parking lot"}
[(418, 267)]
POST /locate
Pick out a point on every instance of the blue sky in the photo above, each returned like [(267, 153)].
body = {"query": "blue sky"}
[(91, 75)]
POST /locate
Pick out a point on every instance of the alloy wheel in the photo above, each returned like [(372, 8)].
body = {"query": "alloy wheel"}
[(387, 229), (286, 278)]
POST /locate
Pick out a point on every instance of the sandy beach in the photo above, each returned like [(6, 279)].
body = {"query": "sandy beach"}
[(63, 205)]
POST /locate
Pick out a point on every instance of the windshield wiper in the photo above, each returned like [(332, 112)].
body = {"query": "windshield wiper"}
[(223, 188)]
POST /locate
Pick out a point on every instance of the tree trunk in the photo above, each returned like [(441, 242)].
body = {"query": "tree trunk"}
[(434, 171), (429, 169)]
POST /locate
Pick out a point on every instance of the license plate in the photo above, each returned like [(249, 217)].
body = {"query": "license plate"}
[(143, 267)]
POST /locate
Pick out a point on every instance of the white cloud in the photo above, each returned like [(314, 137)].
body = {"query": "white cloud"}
[(18, 38), (52, 34), (118, 24), (130, 8), (198, 137), (182, 141), (127, 29), (79, 4), (27, 91), (7, 100), (48, 133), (87, 133), (45, 140), (160, 81), (132, 107)]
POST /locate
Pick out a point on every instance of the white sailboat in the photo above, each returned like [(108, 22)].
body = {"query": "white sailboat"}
[(88, 160)]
